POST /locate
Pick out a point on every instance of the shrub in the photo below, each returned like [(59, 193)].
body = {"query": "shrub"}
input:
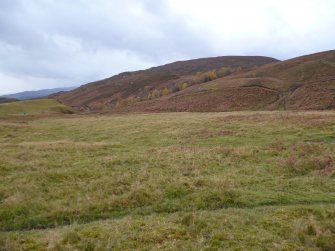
[(132, 99), (166, 91), (208, 76), (155, 94), (184, 86), (224, 71), (129, 100)]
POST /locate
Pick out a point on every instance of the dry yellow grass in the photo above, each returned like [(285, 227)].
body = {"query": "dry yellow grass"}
[(173, 181)]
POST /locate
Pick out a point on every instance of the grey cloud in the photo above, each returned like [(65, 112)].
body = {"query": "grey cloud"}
[(63, 42)]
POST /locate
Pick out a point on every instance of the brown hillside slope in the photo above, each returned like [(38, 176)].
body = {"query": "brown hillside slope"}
[(127, 88), (302, 83), (306, 82)]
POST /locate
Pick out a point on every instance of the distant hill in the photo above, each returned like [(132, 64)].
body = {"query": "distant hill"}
[(128, 87), (7, 100), (37, 94), (215, 84)]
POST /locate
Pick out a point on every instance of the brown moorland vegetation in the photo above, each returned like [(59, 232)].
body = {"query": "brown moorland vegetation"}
[(215, 84), (150, 84)]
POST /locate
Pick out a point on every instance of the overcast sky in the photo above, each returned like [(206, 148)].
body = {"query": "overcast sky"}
[(55, 43)]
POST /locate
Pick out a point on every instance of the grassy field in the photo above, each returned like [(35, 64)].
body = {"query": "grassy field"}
[(33, 107), (173, 181)]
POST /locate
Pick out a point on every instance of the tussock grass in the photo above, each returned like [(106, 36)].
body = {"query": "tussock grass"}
[(248, 180)]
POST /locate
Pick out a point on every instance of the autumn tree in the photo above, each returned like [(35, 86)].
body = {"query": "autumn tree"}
[(166, 91), (184, 86), (155, 93), (209, 76)]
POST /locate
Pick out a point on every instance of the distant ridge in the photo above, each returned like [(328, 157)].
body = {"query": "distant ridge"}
[(37, 94)]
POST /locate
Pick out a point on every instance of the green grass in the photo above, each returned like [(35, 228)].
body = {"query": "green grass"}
[(174, 181), (33, 107)]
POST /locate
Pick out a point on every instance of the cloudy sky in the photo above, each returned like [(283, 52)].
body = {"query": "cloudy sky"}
[(55, 43)]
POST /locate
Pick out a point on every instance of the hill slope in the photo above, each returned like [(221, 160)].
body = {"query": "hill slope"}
[(216, 84), (33, 107), (128, 87)]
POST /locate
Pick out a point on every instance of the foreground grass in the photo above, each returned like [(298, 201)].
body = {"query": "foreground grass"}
[(32, 107), (242, 180)]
